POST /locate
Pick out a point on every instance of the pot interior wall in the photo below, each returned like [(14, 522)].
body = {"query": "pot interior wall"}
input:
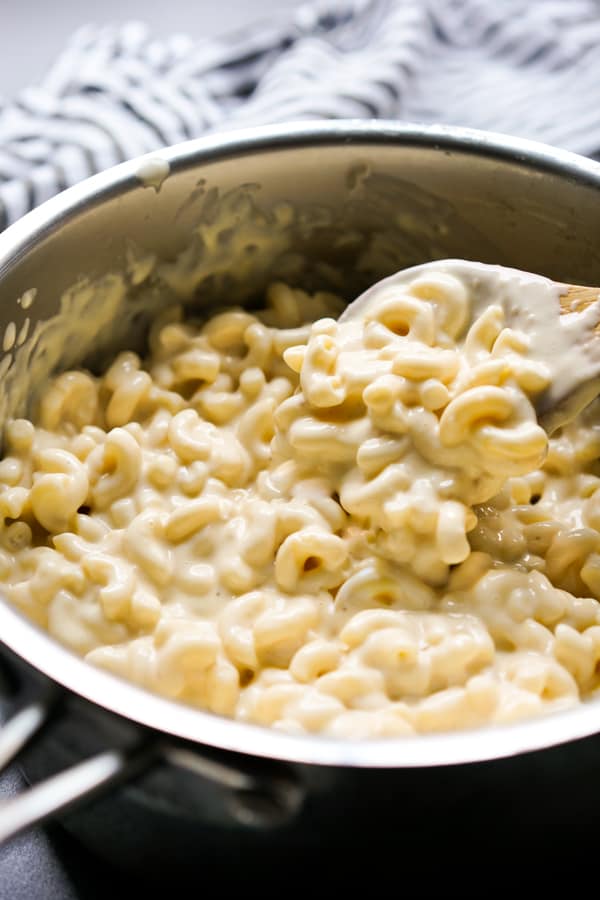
[(333, 216)]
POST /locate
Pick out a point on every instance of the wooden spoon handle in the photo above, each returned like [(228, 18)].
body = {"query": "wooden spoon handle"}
[(577, 298)]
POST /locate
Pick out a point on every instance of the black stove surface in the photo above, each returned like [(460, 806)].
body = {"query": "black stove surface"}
[(46, 863)]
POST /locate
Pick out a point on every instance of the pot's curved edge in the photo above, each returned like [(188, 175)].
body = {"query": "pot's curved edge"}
[(18, 237), (138, 705), (180, 721)]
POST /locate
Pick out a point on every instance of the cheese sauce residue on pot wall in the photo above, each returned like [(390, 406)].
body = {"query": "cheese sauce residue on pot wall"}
[(350, 527)]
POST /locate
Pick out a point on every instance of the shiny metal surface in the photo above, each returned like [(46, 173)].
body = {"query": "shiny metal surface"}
[(57, 793), (367, 198)]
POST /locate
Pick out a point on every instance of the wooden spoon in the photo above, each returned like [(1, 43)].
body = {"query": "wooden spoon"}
[(553, 408), (561, 320)]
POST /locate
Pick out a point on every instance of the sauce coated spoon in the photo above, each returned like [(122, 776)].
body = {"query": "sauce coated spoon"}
[(562, 322)]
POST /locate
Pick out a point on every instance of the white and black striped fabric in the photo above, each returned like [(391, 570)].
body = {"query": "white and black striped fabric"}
[(525, 67)]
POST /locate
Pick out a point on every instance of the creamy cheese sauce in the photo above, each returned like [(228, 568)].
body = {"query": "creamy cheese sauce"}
[(349, 526), (153, 172), (565, 345)]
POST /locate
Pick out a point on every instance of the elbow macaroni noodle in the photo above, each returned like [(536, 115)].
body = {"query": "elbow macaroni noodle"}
[(350, 527)]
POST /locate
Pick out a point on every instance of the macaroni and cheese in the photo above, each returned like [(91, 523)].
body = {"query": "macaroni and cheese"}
[(354, 527)]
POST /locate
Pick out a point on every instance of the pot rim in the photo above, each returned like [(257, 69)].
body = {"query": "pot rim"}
[(175, 719)]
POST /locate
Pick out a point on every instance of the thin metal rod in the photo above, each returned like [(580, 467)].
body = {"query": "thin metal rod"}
[(19, 729), (266, 799), (226, 774), (60, 791)]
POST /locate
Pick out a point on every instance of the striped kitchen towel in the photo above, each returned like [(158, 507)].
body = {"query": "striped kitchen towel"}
[(526, 67)]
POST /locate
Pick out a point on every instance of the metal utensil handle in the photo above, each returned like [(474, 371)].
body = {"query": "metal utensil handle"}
[(18, 731), (255, 799), (60, 792), (259, 797), (67, 788)]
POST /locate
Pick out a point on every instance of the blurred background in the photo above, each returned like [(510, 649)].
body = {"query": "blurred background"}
[(33, 32), (82, 88)]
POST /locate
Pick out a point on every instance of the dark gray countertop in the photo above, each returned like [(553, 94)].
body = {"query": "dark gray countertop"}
[(45, 864)]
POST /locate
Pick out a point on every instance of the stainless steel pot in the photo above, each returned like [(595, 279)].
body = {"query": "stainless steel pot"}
[(335, 204)]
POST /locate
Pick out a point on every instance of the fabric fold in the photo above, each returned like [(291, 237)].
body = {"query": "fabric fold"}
[(524, 67)]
